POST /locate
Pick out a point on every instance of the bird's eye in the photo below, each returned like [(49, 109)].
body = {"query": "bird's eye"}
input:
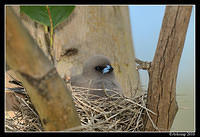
[(99, 68), (104, 69)]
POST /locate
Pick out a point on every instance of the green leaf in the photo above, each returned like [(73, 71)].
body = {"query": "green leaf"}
[(60, 13), (40, 13), (37, 13)]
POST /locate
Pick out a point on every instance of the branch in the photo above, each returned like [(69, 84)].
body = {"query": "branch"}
[(143, 65), (164, 68), (49, 95)]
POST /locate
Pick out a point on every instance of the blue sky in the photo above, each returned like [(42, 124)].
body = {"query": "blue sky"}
[(146, 23)]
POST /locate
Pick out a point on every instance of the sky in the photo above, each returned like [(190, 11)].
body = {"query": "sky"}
[(146, 23)]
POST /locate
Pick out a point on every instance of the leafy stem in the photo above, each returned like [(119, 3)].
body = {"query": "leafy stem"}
[(51, 23)]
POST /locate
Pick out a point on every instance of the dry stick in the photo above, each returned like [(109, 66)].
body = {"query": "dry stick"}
[(142, 64), (89, 106), (138, 120), (141, 106), (21, 99), (85, 112), (76, 87), (36, 126), (119, 105), (99, 111), (116, 114), (151, 120), (95, 124), (76, 128), (116, 123), (9, 127), (27, 105), (131, 122)]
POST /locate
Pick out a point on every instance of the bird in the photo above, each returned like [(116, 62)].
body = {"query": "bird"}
[(97, 73)]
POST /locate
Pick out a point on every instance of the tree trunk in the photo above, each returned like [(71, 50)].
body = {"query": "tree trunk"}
[(164, 68), (93, 30), (47, 91)]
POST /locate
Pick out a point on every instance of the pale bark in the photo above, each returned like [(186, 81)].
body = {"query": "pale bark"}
[(47, 91), (164, 68), (93, 30)]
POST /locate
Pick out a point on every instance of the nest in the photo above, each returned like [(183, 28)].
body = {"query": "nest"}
[(26, 117), (112, 113)]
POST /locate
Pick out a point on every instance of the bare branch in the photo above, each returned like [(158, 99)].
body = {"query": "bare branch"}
[(164, 68), (143, 65)]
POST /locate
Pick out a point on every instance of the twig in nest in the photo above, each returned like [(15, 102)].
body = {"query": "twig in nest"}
[(144, 107), (25, 119), (151, 120), (117, 114), (113, 113)]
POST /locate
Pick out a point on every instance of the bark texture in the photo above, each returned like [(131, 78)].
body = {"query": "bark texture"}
[(164, 68), (91, 30), (52, 100)]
